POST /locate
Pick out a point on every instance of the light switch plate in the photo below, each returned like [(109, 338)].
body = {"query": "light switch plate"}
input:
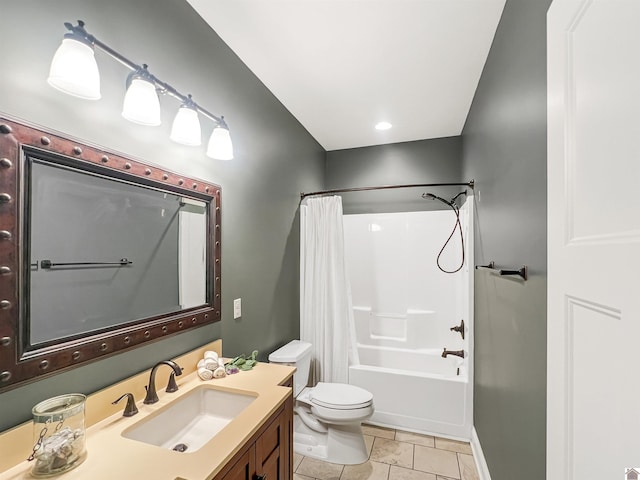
[(237, 308)]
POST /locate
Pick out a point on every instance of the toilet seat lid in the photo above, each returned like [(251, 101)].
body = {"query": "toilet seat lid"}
[(340, 396)]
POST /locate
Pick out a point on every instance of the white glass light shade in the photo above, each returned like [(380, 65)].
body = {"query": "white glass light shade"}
[(383, 126), (141, 104), (186, 127), (74, 70), (220, 146)]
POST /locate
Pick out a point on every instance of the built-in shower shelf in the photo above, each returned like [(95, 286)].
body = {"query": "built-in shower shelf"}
[(522, 272)]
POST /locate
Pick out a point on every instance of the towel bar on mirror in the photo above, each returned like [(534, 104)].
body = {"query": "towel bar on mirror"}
[(523, 271), (47, 264)]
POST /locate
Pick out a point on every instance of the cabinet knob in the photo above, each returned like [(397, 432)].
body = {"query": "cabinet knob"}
[(260, 477)]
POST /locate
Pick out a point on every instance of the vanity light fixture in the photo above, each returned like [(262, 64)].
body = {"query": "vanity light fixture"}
[(74, 71), (141, 103), (186, 126), (220, 146)]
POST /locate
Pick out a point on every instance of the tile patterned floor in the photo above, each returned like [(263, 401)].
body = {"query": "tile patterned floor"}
[(397, 455)]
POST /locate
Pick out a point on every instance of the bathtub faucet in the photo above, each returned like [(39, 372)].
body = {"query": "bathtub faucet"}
[(458, 353), (459, 328)]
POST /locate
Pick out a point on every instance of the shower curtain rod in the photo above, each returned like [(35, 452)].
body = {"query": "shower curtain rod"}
[(470, 183)]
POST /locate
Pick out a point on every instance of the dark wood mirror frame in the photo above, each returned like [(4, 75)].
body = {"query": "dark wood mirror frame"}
[(18, 366)]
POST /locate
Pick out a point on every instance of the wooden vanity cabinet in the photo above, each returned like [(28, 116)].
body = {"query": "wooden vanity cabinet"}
[(243, 467), (268, 454)]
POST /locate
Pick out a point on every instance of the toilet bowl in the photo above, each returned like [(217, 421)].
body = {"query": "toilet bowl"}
[(328, 416)]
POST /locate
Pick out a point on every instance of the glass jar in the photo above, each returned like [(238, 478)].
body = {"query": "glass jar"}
[(59, 435)]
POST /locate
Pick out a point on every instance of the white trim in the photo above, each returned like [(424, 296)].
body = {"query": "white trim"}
[(478, 456)]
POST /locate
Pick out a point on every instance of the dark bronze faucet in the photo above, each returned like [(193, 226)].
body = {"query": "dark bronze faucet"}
[(152, 396), (458, 353)]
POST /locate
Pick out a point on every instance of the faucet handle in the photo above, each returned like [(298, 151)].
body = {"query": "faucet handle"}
[(172, 386), (130, 409), (459, 328)]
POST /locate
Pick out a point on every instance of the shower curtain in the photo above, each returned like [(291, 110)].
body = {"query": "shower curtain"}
[(326, 313)]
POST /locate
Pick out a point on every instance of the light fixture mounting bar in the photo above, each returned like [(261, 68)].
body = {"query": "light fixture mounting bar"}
[(161, 86)]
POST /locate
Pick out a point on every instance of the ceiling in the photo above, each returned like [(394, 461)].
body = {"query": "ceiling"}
[(342, 66)]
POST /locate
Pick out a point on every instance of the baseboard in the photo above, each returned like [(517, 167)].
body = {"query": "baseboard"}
[(478, 456)]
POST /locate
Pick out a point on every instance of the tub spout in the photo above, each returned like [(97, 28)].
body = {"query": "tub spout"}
[(457, 353)]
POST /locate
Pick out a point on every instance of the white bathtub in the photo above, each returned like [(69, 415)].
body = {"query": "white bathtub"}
[(416, 390), (403, 311)]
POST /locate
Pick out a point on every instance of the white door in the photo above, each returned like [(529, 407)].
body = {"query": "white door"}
[(593, 359)]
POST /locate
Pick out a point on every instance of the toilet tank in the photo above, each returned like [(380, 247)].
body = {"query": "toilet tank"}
[(298, 354)]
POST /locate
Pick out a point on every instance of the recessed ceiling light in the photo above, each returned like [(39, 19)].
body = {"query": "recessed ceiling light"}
[(383, 126)]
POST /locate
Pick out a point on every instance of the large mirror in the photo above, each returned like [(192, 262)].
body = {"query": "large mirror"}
[(98, 253)]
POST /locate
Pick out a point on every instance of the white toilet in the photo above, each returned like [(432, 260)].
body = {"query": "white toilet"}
[(327, 417)]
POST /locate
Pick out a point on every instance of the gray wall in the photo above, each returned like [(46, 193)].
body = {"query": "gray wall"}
[(423, 161), (276, 159), (504, 149)]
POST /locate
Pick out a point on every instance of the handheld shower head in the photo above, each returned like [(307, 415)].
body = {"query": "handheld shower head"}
[(457, 225), (456, 210), (435, 197)]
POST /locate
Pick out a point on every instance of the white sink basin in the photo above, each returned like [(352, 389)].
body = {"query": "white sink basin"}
[(189, 422)]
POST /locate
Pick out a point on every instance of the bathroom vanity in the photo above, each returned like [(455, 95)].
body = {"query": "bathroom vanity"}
[(255, 444)]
